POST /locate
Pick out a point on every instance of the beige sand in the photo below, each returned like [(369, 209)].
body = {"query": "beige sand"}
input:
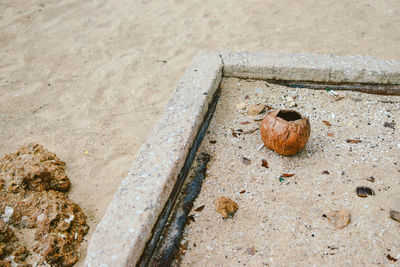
[(94, 75), (281, 223)]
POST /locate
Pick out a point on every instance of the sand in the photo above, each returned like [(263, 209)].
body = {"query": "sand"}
[(282, 221), (93, 76)]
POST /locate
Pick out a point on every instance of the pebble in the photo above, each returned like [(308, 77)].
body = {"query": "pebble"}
[(256, 109), (292, 104), (226, 207), (241, 106), (259, 90), (339, 218), (289, 99), (364, 191), (395, 209)]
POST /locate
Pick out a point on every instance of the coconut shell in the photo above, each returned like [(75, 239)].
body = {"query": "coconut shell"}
[(285, 131)]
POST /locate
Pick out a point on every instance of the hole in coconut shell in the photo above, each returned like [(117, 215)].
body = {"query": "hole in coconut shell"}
[(289, 115)]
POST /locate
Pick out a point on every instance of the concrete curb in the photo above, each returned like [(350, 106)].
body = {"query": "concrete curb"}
[(126, 226), (309, 67), (121, 236)]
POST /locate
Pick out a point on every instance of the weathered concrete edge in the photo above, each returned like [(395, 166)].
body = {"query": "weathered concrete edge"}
[(120, 237), (310, 67)]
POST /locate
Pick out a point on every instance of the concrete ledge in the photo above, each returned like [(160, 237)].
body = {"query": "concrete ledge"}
[(308, 67), (125, 228)]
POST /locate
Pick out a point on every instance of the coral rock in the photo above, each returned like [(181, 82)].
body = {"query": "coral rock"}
[(30, 199), (33, 168), (226, 207)]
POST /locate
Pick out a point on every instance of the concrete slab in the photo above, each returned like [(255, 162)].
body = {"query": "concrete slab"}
[(127, 225)]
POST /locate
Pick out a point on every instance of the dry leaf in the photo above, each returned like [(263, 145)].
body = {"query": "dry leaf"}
[(247, 97), (258, 119), (244, 122), (327, 123), (269, 107), (391, 258), (286, 175), (264, 163), (242, 192), (245, 161), (371, 179), (251, 251), (190, 219), (199, 208), (330, 134), (353, 141), (234, 134)]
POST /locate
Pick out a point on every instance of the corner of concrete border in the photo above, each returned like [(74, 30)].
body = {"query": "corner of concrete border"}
[(125, 228)]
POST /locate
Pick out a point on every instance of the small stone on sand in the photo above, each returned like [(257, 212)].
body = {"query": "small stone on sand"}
[(339, 218), (395, 209), (256, 109), (226, 207), (241, 106)]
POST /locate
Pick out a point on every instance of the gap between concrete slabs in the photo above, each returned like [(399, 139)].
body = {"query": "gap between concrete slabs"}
[(127, 225)]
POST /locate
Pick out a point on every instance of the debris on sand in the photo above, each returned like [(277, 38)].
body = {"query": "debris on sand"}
[(339, 218), (241, 106), (255, 109), (364, 191), (31, 200), (395, 210), (226, 207)]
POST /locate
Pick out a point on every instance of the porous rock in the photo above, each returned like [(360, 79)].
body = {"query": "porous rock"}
[(339, 218), (226, 207), (32, 182)]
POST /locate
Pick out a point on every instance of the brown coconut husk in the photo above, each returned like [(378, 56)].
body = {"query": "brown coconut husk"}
[(285, 131)]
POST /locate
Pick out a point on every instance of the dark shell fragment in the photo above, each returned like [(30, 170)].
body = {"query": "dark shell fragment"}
[(364, 191)]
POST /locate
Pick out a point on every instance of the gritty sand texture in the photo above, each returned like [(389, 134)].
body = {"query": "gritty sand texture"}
[(282, 220), (94, 76)]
